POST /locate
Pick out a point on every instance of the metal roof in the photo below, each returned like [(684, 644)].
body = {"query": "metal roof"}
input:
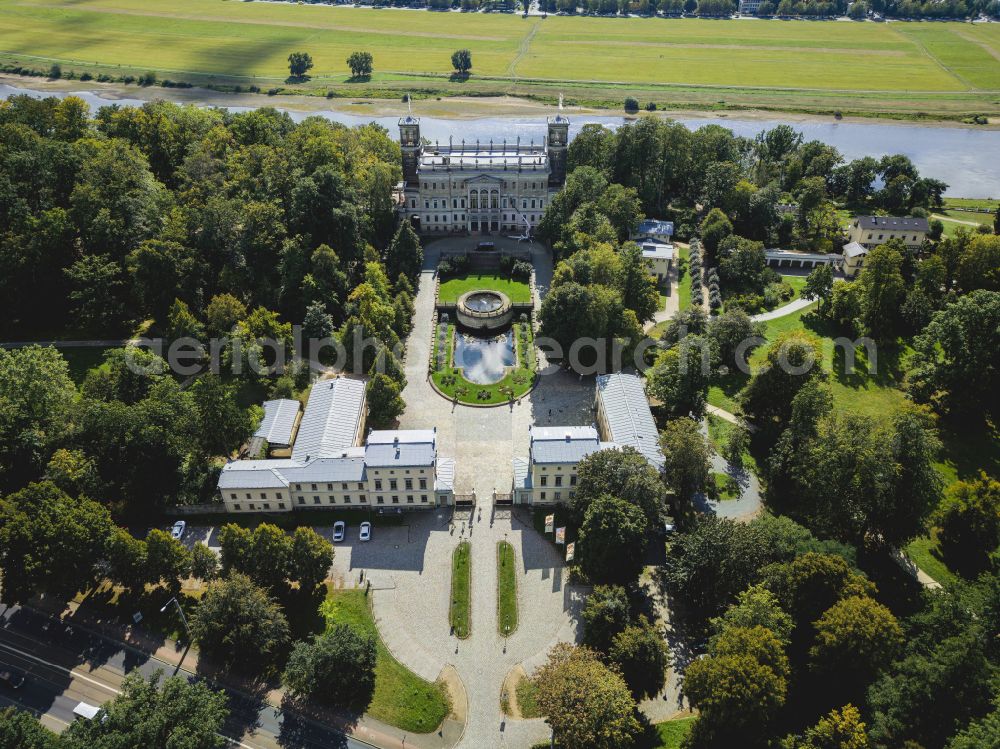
[(629, 419), (255, 474), (657, 250), (854, 249), (331, 420), (563, 444), (278, 422), (653, 226), (404, 454), (392, 436), (901, 223), (327, 469)]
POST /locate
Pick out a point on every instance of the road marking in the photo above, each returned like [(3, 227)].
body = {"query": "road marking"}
[(71, 672)]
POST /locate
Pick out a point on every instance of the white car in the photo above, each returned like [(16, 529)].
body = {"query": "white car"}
[(177, 531), (366, 531), (338, 531)]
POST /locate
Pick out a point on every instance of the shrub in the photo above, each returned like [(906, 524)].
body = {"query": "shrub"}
[(631, 104)]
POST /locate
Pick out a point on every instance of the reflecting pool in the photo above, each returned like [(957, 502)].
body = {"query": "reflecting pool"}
[(484, 360)]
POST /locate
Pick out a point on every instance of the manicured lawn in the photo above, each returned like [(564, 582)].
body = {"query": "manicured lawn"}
[(983, 205), (895, 68), (506, 589), (401, 698), (724, 489), (515, 383), (461, 589), (683, 281), (926, 554), (673, 732), (519, 292), (526, 692), (797, 283)]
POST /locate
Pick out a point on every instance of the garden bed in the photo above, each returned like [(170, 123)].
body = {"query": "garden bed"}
[(506, 589), (461, 590)]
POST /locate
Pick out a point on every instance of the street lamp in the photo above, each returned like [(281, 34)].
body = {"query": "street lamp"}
[(187, 629)]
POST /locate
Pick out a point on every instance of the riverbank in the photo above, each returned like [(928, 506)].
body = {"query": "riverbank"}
[(450, 108)]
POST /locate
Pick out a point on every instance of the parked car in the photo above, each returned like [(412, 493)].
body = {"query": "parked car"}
[(338, 531), (669, 528), (11, 677), (177, 531), (366, 531)]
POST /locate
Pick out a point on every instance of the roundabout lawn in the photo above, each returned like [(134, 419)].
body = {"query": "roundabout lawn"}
[(517, 291)]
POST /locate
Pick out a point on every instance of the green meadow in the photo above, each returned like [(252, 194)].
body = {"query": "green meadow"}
[(917, 69)]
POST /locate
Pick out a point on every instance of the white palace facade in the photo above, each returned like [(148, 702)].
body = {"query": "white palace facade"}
[(480, 188)]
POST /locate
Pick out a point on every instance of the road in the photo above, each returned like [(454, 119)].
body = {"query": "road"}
[(66, 665)]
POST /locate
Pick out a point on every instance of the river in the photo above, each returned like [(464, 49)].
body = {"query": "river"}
[(967, 159)]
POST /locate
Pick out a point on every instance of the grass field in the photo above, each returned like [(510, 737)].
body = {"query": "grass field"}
[(506, 589), (518, 291), (673, 732), (461, 590), (947, 69), (401, 698)]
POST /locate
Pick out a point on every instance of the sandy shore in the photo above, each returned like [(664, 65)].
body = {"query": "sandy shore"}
[(455, 108)]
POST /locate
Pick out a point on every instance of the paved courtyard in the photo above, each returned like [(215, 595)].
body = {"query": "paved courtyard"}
[(411, 580)]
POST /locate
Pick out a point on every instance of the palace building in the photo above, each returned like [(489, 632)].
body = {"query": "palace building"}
[(480, 188)]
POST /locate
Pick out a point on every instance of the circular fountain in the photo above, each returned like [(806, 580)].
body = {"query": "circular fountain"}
[(484, 311)]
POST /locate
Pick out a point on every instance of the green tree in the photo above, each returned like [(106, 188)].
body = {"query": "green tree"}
[(222, 314), (980, 734), (20, 730), (978, 268), (969, 522), (404, 256), (360, 63), (606, 613), (461, 61), (167, 559), (638, 288), (204, 563), (881, 287), (688, 460), (812, 583), (181, 322), (856, 638), (679, 377), (641, 654), (734, 336), (223, 425), (819, 285), (958, 354), (263, 554), (715, 227), (587, 704), (50, 542), (792, 359), (739, 688), (756, 607), (171, 713), (384, 402), (36, 401), (612, 541), (624, 474), (839, 729), (299, 63), (238, 624), (310, 558), (336, 667)]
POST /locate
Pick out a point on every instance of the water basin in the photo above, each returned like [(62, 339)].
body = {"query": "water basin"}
[(484, 361)]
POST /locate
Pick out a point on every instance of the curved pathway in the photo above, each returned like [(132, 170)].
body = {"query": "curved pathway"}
[(411, 594), (786, 309)]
